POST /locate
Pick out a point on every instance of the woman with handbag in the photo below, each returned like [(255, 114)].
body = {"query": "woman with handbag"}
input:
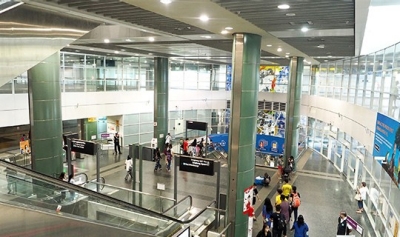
[(361, 196)]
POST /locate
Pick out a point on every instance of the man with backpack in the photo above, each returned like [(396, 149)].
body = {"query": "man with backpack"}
[(295, 197), (278, 223)]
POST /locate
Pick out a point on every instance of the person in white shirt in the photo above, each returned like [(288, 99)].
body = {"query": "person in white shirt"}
[(168, 139), (128, 167), (363, 190)]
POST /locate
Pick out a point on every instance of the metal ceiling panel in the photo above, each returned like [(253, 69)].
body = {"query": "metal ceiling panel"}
[(118, 10)]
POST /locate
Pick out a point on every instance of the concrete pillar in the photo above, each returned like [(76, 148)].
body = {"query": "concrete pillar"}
[(45, 116), (293, 107), (242, 132), (160, 100), (313, 82)]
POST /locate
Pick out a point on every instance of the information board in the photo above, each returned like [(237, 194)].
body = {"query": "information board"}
[(195, 165), (196, 125), (83, 146)]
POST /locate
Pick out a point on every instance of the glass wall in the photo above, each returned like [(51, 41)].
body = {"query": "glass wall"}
[(371, 81), (91, 73)]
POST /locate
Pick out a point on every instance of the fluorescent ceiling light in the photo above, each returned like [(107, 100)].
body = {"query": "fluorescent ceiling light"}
[(287, 53), (151, 39), (269, 45), (128, 40), (321, 46), (106, 41), (304, 29), (279, 49), (116, 52), (91, 49), (290, 14), (166, 1), (206, 36), (283, 6), (228, 28), (224, 32), (204, 18)]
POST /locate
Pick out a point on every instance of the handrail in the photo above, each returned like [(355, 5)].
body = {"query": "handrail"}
[(188, 196), (91, 193), (225, 229), (131, 190)]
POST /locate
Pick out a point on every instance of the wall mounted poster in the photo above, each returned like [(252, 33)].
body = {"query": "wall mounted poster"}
[(387, 145)]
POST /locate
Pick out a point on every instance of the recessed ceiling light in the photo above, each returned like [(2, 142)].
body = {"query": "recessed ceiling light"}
[(309, 62), (123, 50), (128, 40), (145, 61), (150, 54), (106, 41), (304, 29), (151, 39), (204, 18), (325, 60), (321, 46), (91, 49), (269, 45), (287, 53), (290, 14), (166, 1), (136, 54), (283, 6), (67, 45), (116, 52), (228, 28), (224, 32), (279, 49), (330, 56), (206, 36), (287, 56)]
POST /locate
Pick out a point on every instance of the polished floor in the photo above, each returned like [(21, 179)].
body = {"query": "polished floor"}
[(323, 190)]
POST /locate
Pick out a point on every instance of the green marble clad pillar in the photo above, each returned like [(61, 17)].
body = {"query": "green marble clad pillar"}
[(160, 100), (293, 107), (313, 82), (242, 132), (45, 116)]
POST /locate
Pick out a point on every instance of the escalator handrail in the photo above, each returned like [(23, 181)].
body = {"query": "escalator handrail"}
[(131, 190), (91, 193), (199, 213), (180, 201)]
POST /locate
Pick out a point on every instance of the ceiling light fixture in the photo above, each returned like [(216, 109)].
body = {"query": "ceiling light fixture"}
[(204, 18), (106, 41), (283, 6), (269, 45), (116, 52), (206, 36), (91, 49), (151, 39), (321, 46), (224, 32), (279, 49), (304, 29), (165, 1), (228, 28), (287, 53), (290, 14), (128, 40)]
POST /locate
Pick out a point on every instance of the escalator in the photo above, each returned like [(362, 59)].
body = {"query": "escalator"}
[(33, 204)]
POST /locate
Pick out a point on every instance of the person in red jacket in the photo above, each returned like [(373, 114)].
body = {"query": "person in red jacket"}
[(186, 146)]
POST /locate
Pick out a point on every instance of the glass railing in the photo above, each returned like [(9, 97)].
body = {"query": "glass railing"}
[(181, 208), (44, 193), (145, 200)]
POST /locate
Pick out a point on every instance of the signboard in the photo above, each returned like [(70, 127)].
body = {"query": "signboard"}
[(387, 145), (24, 147), (248, 209), (70, 135), (357, 227), (93, 119), (161, 186), (84, 147), (196, 165), (105, 135), (196, 125), (228, 85)]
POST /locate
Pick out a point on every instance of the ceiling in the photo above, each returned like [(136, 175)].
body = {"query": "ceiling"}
[(177, 32)]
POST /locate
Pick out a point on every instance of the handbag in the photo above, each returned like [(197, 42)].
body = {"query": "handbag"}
[(357, 197)]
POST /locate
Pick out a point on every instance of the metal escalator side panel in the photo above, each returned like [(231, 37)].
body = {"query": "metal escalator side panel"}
[(28, 35)]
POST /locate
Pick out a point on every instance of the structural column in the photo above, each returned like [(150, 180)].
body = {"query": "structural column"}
[(293, 107), (160, 100), (45, 116), (313, 81), (242, 132)]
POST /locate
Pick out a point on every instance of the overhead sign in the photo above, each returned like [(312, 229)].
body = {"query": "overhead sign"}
[(196, 165), (196, 125), (84, 147)]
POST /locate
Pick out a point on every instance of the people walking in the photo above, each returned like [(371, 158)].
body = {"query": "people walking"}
[(157, 159), (168, 156), (278, 223), (300, 227), (363, 190), (168, 139), (295, 202), (128, 167), (267, 211), (343, 228), (265, 232), (11, 180)]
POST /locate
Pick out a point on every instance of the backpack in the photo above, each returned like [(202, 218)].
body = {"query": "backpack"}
[(281, 224), (296, 200)]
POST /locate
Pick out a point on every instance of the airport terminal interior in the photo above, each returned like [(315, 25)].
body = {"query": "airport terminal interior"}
[(182, 118)]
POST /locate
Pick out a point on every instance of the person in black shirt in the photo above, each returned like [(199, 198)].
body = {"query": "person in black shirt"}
[(116, 144), (277, 218), (343, 228)]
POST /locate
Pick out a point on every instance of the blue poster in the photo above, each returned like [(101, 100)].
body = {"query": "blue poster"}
[(228, 86), (387, 145)]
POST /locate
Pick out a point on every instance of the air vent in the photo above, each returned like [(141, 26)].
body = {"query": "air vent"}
[(276, 106), (260, 104), (268, 105), (282, 107)]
